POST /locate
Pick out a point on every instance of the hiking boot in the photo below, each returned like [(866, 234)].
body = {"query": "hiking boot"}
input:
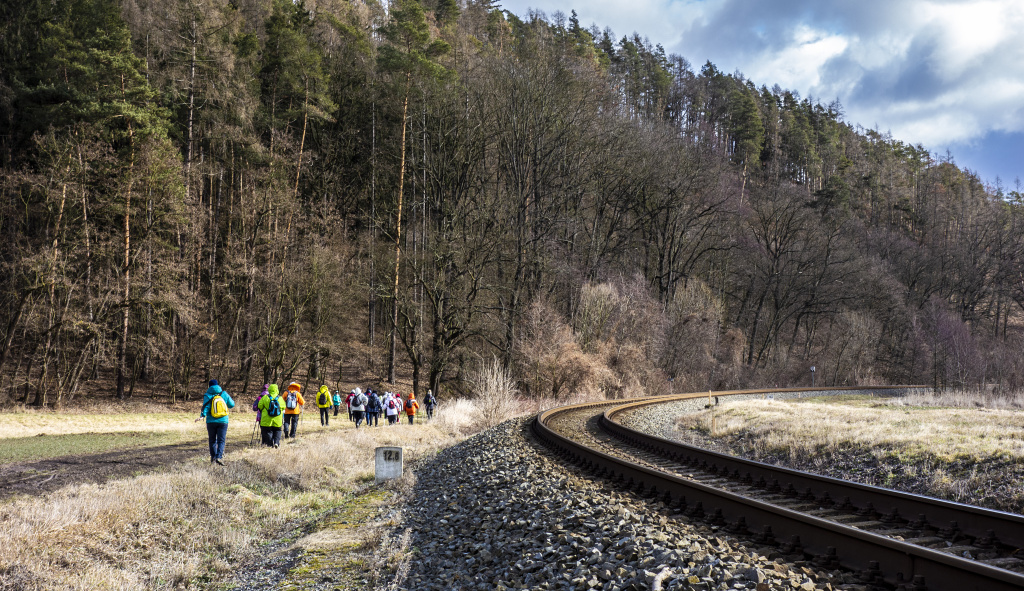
[(219, 463)]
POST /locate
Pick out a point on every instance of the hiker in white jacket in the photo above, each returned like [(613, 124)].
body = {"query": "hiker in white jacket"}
[(358, 407), (391, 407)]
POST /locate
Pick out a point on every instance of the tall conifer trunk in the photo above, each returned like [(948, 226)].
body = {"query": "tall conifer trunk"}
[(122, 344), (302, 141), (191, 110), (398, 238)]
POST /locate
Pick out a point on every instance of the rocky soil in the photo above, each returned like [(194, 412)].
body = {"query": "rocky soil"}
[(498, 512)]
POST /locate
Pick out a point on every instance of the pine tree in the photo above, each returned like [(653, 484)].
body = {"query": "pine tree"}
[(89, 64), (410, 54), (295, 84), (746, 130)]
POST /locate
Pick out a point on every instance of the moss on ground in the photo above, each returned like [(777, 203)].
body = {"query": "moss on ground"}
[(336, 552)]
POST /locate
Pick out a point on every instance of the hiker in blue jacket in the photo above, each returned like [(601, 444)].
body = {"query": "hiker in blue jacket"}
[(373, 408), (216, 403)]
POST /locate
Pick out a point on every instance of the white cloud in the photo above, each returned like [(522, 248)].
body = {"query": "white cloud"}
[(657, 19), (959, 75), (799, 64), (969, 30), (931, 71)]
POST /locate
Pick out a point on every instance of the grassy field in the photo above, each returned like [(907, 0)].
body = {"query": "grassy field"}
[(20, 449), (190, 525), (27, 435), (965, 452)]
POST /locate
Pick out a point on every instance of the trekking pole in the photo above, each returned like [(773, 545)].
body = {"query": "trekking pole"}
[(253, 438)]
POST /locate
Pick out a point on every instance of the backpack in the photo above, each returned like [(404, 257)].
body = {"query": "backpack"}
[(292, 402), (274, 407), (322, 400), (391, 403), (218, 408), (408, 403)]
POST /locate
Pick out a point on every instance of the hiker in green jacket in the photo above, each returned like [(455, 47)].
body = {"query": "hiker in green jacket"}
[(271, 408)]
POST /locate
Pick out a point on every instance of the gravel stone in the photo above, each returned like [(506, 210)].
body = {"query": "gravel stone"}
[(497, 511)]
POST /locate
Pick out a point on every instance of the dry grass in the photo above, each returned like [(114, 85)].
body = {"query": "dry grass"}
[(959, 453), (962, 399), (32, 424), (456, 416), (186, 527), (39, 435), (182, 528), (496, 393), (805, 428)]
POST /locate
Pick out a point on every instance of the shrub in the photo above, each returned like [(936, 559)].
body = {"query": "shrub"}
[(496, 393)]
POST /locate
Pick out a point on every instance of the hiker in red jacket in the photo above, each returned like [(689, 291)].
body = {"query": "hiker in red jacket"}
[(348, 402)]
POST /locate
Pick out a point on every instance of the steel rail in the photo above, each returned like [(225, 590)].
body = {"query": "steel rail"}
[(882, 558), (892, 505)]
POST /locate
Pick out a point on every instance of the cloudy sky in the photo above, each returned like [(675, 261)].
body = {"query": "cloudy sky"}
[(948, 74)]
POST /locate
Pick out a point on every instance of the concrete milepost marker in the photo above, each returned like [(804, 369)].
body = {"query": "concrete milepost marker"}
[(390, 463)]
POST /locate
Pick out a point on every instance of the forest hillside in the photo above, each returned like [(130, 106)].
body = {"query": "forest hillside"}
[(322, 191)]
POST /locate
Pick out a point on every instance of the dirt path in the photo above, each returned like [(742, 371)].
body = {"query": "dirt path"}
[(33, 478)]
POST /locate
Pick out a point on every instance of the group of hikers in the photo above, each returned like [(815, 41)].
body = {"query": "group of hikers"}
[(278, 414), (371, 404)]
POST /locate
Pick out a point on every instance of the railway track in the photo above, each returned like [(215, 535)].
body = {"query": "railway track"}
[(893, 539)]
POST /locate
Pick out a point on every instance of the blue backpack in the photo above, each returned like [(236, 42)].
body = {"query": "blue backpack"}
[(273, 407)]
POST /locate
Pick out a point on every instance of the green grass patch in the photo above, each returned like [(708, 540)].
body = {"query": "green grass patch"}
[(45, 447)]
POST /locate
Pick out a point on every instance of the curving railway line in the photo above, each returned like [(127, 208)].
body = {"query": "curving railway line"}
[(892, 539)]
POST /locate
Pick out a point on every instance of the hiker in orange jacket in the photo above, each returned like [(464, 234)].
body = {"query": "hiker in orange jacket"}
[(411, 406), (293, 402)]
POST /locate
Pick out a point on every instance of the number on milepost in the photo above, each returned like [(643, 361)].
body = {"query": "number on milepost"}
[(389, 463)]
